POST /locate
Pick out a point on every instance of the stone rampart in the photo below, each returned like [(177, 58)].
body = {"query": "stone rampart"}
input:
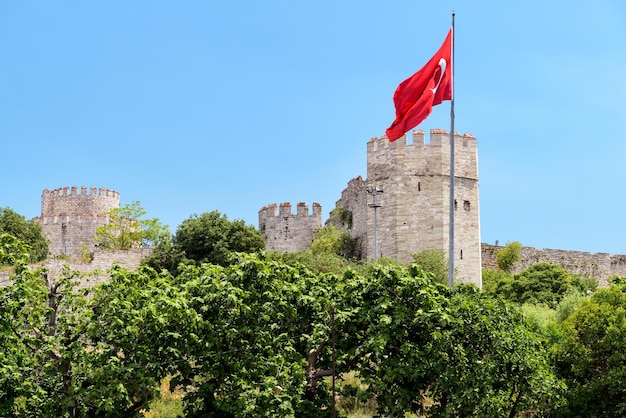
[(102, 261), (288, 232), (588, 265)]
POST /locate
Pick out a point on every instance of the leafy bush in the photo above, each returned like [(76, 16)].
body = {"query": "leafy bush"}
[(509, 255), (591, 355), (29, 233), (433, 262)]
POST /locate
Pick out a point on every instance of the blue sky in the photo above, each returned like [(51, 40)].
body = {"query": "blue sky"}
[(196, 106)]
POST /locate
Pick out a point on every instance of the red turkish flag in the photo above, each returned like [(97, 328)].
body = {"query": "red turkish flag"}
[(415, 97)]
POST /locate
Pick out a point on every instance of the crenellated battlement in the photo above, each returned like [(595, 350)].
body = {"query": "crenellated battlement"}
[(285, 209), (438, 138), (421, 158), (285, 231), (69, 201), (73, 191)]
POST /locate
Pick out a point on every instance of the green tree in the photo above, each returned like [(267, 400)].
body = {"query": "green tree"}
[(271, 329), (509, 255), (256, 338), (493, 279), (126, 229), (211, 238), (265, 346), (331, 240), (540, 283), (469, 354), (70, 351), (28, 232), (433, 262), (591, 355)]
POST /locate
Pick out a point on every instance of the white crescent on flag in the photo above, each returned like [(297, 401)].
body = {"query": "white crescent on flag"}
[(442, 64)]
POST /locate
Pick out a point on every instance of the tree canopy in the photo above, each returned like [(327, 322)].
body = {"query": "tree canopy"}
[(128, 229), (540, 283), (28, 232), (509, 255), (207, 238), (590, 353), (257, 338)]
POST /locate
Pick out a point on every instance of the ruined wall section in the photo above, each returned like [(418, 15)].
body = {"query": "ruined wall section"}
[(287, 232), (69, 217), (414, 212), (350, 213), (599, 266), (102, 262)]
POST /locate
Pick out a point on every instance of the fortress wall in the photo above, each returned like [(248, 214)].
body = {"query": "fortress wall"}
[(354, 200), (618, 265), (288, 232), (103, 260), (588, 265)]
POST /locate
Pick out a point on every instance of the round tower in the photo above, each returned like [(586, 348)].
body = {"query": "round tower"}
[(70, 217)]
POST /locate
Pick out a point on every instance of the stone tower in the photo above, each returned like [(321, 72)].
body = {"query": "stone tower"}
[(413, 200), (283, 231), (69, 219)]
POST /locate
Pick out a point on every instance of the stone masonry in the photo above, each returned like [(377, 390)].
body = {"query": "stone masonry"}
[(284, 231), (411, 183), (69, 218), (599, 266)]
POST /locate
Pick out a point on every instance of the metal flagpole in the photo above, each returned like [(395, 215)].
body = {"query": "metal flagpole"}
[(451, 238)]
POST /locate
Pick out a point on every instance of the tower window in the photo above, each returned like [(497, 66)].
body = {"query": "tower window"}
[(466, 205)]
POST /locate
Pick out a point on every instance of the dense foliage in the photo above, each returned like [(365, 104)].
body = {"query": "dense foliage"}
[(435, 263), (509, 255), (128, 229), (68, 351), (540, 283), (256, 338), (331, 240), (29, 232), (207, 238), (591, 355)]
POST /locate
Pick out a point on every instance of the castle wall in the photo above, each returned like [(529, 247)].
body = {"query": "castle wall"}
[(414, 211), (69, 217), (597, 265), (286, 232), (102, 261), (354, 200)]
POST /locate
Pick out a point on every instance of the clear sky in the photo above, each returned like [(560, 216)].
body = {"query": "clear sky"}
[(192, 106)]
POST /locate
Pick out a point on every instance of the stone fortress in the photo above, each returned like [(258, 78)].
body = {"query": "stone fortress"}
[(406, 194), (69, 219), (400, 209)]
